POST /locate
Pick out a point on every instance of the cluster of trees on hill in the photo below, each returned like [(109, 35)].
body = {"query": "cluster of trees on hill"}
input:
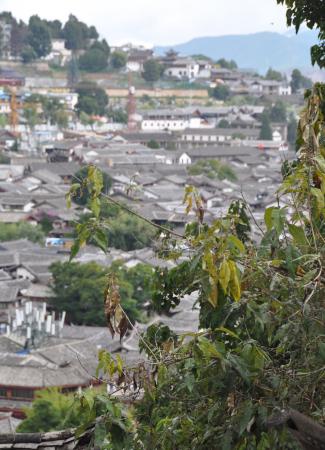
[(33, 40)]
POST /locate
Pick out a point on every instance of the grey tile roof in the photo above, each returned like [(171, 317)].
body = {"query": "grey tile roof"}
[(8, 294)]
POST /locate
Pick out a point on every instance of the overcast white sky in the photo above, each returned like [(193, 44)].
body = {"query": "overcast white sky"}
[(159, 22)]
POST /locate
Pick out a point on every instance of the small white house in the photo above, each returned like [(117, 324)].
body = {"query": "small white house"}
[(59, 54), (183, 68), (184, 159)]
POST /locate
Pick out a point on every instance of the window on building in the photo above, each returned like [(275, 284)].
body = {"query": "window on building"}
[(22, 393), (3, 392)]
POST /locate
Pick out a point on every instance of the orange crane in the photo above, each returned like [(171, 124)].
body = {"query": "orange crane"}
[(11, 84)]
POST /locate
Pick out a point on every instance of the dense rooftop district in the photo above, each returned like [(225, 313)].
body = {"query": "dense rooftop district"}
[(152, 140)]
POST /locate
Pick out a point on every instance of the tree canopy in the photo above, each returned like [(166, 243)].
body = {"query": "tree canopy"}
[(266, 130), (21, 230), (152, 70), (272, 74), (220, 92), (77, 33), (118, 60), (278, 112), (92, 99), (39, 37), (299, 81), (79, 290), (51, 411), (225, 64), (93, 60), (214, 169)]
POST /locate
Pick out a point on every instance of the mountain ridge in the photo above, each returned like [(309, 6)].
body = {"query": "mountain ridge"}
[(257, 51)]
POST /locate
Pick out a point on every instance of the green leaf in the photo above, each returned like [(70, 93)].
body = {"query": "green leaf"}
[(208, 349), (236, 243), (319, 196), (227, 331), (74, 249), (100, 238), (95, 206), (235, 289), (224, 275), (268, 217), (298, 234), (68, 200), (119, 364), (278, 219), (292, 254)]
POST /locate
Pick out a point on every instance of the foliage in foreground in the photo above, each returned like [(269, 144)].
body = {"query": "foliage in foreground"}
[(261, 344)]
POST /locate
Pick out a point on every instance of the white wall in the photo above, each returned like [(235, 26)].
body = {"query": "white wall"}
[(184, 159), (172, 124)]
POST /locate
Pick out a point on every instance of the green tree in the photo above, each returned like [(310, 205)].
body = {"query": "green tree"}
[(85, 119), (220, 92), (75, 34), (93, 60), (73, 73), (127, 232), (153, 144), (79, 290), (278, 112), (92, 100), (298, 81), (214, 169), (274, 75), (28, 54), (55, 28), (31, 116), (61, 118), (53, 111), (39, 37), (223, 123), (102, 46), (224, 64), (118, 60), (118, 115), (266, 130), (42, 417), (21, 230), (18, 38), (152, 70), (52, 411)]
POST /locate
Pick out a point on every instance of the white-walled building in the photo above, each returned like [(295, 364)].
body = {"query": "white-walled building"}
[(59, 54), (173, 120), (183, 68), (270, 87)]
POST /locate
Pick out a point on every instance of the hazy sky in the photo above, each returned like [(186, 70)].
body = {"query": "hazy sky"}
[(159, 21)]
